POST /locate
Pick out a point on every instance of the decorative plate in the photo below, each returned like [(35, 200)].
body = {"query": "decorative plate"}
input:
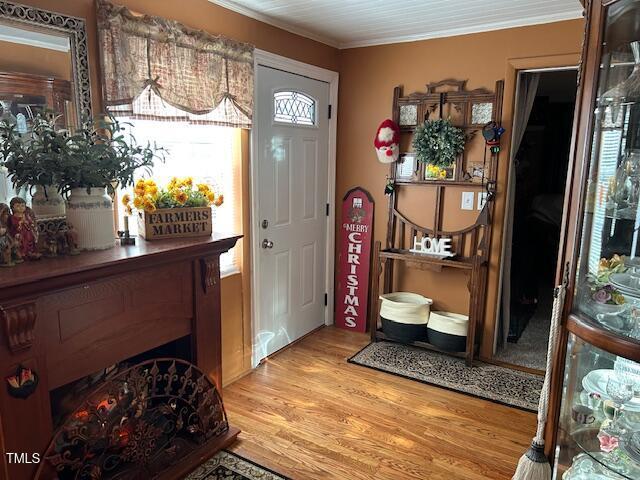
[(626, 283)]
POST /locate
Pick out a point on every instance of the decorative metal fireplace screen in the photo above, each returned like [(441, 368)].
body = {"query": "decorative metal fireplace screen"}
[(137, 423)]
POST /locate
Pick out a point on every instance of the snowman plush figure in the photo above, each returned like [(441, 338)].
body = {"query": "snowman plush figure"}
[(387, 141)]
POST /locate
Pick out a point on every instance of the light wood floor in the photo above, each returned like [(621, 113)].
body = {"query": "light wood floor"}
[(308, 414)]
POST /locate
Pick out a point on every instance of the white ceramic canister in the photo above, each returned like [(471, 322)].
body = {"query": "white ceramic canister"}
[(90, 212)]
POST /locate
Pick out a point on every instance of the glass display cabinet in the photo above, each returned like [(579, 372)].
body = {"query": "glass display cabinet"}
[(595, 419)]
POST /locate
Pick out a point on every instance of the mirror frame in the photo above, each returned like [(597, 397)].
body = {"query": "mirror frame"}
[(74, 29)]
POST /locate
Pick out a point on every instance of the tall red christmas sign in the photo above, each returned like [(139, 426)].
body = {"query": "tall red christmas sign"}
[(354, 260)]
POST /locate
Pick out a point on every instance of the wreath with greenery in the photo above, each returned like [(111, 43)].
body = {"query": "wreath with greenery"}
[(438, 142)]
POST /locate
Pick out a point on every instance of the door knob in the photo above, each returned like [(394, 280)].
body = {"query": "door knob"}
[(267, 243)]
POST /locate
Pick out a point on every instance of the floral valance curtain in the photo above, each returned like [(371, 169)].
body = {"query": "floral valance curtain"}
[(157, 68)]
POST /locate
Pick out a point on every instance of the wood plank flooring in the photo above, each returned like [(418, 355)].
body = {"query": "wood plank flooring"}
[(308, 414)]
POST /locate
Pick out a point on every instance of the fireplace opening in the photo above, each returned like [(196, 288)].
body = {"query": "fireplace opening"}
[(134, 419), (66, 398)]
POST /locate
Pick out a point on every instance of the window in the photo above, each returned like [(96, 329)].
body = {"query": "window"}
[(206, 152), (294, 107), (612, 138)]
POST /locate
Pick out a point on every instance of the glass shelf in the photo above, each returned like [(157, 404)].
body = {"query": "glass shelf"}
[(585, 467), (616, 462), (587, 428), (622, 320)]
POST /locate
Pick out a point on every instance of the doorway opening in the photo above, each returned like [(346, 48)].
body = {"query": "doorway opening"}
[(545, 103)]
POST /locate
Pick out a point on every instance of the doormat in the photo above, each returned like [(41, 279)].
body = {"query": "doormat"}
[(229, 466), (491, 382)]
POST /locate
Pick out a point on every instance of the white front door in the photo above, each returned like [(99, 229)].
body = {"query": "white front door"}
[(291, 226)]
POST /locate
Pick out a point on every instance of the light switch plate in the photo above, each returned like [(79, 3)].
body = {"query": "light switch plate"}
[(467, 201), (482, 199)]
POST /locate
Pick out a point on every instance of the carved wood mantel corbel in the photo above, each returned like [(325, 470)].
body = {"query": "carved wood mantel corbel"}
[(19, 322), (210, 272)]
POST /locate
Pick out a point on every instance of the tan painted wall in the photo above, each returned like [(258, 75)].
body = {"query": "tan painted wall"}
[(19, 58), (367, 78), (201, 14)]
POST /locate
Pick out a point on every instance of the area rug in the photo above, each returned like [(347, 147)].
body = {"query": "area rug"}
[(229, 466), (491, 382), (531, 348)]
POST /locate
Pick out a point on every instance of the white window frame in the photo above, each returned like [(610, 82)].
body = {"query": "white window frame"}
[(236, 266), (285, 64)]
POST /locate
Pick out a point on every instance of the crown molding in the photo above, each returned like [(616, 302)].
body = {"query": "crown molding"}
[(274, 22), (386, 40), (488, 27)]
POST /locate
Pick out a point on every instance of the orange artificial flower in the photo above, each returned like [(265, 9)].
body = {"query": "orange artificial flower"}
[(149, 207), (139, 188), (138, 201), (181, 197)]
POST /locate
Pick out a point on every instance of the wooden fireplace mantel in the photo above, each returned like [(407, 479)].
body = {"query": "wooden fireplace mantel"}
[(69, 317)]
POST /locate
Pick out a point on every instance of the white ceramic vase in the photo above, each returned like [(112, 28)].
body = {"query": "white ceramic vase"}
[(90, 212), (47, 202)]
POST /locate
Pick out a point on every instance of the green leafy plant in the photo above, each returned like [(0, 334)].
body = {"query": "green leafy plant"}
[(102, 156), (438, 142), (98, 154), (33, 158)]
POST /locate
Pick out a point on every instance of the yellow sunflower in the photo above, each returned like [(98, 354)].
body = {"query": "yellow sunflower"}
[(139, 188), (138, 201), (181, 197), (149, 207)]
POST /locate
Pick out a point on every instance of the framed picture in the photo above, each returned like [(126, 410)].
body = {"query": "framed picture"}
[(406, 166), (439, 174), (476, 172)]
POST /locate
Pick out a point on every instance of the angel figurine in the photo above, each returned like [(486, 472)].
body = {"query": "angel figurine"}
[(23, 228), (9, 255)]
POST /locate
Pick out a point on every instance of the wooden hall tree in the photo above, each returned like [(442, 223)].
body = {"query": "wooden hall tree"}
[(469, 110)]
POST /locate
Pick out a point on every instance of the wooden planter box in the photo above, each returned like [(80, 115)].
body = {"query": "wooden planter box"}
[(175, 223)]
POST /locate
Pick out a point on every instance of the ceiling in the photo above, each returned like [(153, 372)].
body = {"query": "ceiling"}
[(358, 23)]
